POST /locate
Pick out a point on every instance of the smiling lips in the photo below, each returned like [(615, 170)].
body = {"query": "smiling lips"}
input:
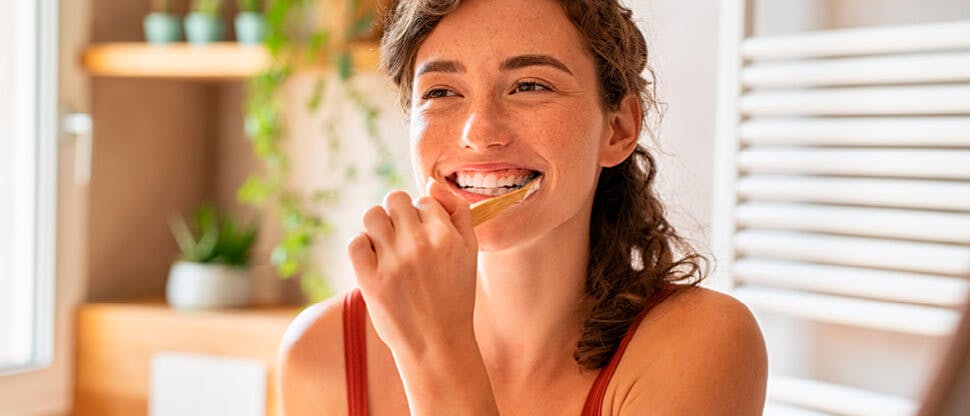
[(489, 183)]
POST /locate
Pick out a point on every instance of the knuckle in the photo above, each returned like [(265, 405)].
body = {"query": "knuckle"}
[(374, 213), (397, 198), (426, 202), (421, 243), (439, 239), (358, 243)]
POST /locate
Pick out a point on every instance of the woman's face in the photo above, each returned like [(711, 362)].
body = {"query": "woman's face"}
[(505, 90)]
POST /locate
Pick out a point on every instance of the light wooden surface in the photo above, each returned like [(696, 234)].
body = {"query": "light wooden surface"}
[(116, 343), (216, 61)]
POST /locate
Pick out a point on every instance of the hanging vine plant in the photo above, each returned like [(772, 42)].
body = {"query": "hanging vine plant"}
[(291, 43)]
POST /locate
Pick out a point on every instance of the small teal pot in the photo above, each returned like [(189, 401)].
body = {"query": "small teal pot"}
[(202, 28), (162, 28), (250, 28)]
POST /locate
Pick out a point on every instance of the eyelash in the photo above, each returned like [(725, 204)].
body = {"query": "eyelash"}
[(530, 83), (428, 95)]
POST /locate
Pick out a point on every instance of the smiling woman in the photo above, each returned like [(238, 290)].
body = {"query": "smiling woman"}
[(582, 299)]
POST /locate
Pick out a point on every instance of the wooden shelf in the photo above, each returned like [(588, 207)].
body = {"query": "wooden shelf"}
[(215, 61), (116, 342)]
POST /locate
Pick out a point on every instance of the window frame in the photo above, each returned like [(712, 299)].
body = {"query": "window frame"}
[(44, 386), (44, 186)]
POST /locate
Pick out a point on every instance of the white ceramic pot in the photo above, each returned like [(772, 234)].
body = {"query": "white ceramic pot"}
[(208, 286)]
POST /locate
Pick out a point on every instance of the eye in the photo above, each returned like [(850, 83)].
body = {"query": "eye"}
[(438, 93), (527, 86)]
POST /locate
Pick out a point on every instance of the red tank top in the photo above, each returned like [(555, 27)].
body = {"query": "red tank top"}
[(355, 356)]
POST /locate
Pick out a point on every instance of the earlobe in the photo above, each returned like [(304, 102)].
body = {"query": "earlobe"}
[(625, 124)]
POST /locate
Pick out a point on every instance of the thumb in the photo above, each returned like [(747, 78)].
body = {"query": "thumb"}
[(456, 206)]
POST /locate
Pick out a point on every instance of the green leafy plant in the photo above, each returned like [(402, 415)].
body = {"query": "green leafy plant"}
[(213, 237), (161, 6), (210, 7), (250, 5), (290, 43)]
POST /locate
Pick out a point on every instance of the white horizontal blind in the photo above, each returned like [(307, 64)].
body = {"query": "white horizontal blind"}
[(843, 186)]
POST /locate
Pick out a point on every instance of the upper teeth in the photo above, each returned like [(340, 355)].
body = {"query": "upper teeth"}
[(478, 180)]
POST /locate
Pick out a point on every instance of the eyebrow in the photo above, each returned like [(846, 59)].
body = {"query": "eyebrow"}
[(441, 66), (523, 61), (515, 62)]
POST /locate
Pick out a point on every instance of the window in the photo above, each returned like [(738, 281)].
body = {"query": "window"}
[(27, 184), (844, 203)]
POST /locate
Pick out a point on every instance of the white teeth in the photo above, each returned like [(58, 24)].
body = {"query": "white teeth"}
[(491, 181), (489, 184)]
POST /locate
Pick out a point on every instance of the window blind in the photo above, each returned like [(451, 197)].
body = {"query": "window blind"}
[(842, 193)]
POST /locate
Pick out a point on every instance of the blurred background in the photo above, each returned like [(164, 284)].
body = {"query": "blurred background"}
[(178, 179)]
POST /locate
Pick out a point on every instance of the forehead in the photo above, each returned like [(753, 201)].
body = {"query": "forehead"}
[(487, 31)]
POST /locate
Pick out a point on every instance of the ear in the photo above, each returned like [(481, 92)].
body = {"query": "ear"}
[(622, 132)]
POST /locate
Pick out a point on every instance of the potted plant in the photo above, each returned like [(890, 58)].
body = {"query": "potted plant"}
[(204, 24), (161, 26), (250, 24), (211, 271)]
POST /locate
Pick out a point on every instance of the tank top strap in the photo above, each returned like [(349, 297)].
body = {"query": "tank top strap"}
[(597, 392), (355, 353)]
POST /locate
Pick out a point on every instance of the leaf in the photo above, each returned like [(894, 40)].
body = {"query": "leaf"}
[(362, 25), (315, 286), (316, 97), (345, 65), (183, 236), (350, 173), (315, 45), (254, 191), (288, 269), (326, 195)]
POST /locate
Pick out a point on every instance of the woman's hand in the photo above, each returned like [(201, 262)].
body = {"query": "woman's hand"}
[(416, 267)]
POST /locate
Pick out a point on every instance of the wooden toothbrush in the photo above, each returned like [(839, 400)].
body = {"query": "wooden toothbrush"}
[(485, 210)]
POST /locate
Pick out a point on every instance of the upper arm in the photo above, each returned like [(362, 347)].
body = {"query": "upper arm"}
[(310, 362), (712, 361)]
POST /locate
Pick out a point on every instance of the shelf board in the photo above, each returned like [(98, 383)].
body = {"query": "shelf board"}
[(116, 343), (214, 61)]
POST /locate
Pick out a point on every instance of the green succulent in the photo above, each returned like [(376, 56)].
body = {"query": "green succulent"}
[(211, 7), (214, 237), (250, 5)]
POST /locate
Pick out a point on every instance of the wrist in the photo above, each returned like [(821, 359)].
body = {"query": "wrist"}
[(449, 374), (439, 353)]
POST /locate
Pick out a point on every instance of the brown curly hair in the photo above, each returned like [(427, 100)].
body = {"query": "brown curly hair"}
[(634, 251)]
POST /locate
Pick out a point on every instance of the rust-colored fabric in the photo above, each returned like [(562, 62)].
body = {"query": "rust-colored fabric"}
[(355, 353), (355, 357), (594, 399)]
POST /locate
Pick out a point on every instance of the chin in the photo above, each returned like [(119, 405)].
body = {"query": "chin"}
[(499, 234)]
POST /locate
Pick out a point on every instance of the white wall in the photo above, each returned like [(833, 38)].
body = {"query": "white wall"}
[(682, 46)]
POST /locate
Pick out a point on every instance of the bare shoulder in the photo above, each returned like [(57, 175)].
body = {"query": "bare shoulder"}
[(699, 352), (311, 365)]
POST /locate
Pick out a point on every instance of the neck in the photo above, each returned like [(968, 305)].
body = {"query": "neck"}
[(528, 312)]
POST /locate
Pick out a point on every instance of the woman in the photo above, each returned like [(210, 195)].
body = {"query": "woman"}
[(563, 304)]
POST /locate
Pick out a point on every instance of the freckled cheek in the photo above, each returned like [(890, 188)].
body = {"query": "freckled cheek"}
[(573, 150), (570, 141), (428, 144)]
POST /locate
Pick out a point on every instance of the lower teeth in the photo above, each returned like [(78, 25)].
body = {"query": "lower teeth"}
[(489, 191)]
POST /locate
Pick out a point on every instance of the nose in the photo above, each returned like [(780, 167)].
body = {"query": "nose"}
[(484, 129)]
